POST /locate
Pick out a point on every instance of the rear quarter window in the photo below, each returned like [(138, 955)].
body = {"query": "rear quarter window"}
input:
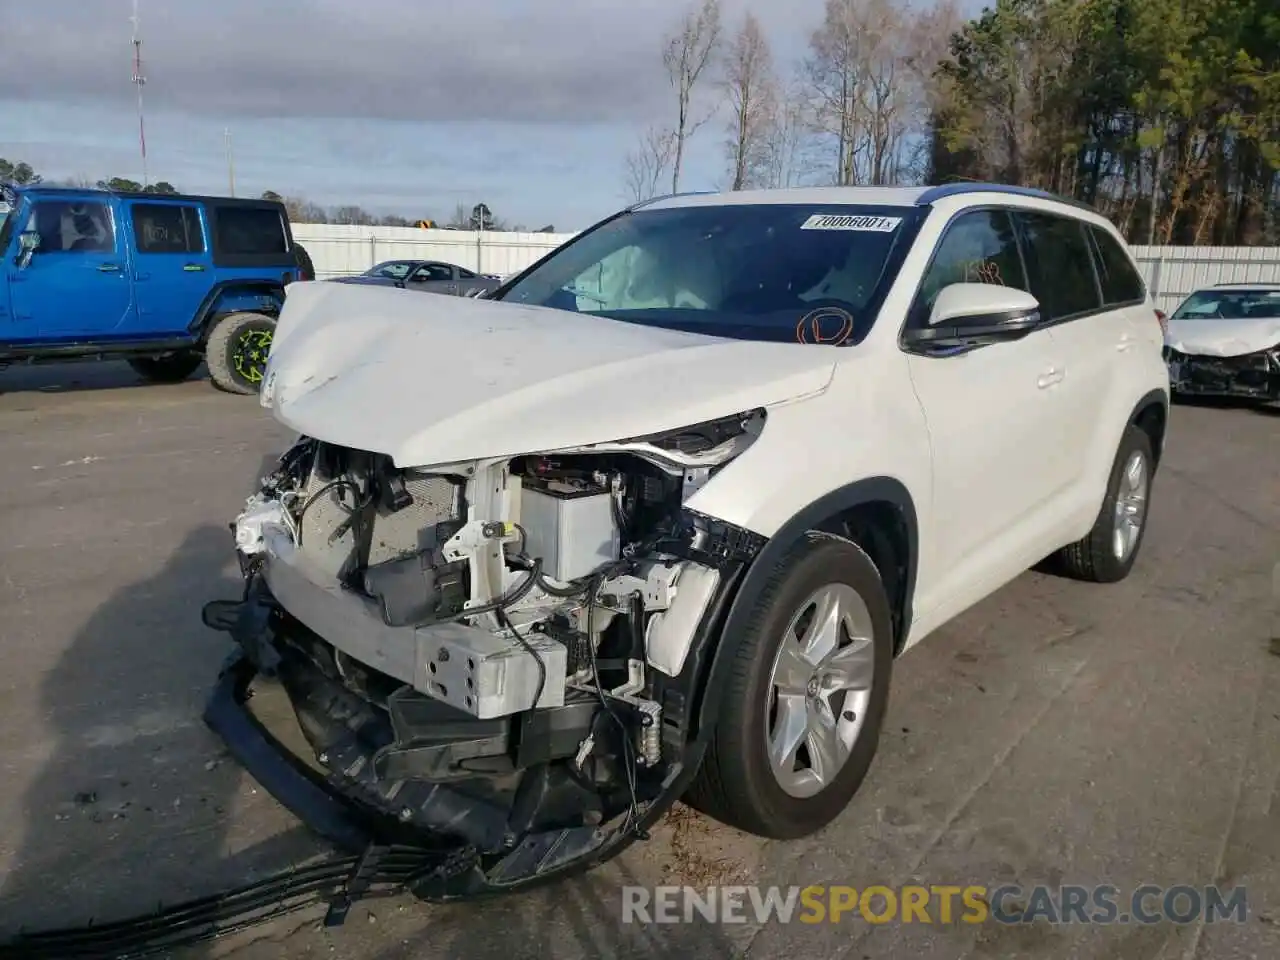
[(250, 231), (1121, 282)]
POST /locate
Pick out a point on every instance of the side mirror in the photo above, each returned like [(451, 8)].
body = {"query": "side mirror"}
[(28, 243), (971, 314)]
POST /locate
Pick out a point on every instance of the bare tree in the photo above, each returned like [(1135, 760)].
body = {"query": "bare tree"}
[(647, 162), (785, 139), (752, 92), (688, 53), (867, 73)]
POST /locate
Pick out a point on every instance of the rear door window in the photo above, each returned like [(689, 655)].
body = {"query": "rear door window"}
[(1061, 265), (167, 228)]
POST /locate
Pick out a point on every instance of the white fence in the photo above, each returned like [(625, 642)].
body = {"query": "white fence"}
[(1171, 272), (338, 250)]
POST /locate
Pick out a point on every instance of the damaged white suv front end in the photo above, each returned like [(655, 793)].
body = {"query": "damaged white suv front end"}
[(493, 639)]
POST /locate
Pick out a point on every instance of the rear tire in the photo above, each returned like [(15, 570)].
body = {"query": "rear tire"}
[(738, 783), (1107, 553), (170, 368), (237, 351), (306, 269)]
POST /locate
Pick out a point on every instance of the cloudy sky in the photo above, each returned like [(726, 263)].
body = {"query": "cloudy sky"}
[(528, 105)]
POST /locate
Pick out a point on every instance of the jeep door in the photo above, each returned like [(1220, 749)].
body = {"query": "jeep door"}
[(995, 422), (172, 267), (10, 330), (76, 287)]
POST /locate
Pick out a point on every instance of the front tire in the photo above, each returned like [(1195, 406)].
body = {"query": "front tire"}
[(170, 368), (237, 351), (1107, 553), (801, 716)]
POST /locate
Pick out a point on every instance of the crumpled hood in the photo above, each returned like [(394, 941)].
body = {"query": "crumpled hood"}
[(431, 380), (1222, 338)]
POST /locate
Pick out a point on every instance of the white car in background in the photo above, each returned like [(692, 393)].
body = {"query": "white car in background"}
[(1224, 341)]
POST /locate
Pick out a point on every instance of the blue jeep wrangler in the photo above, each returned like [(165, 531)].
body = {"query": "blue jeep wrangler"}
[(159, 280)]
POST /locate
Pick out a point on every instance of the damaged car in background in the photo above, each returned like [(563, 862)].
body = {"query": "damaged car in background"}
[(1224, 341), (653, 521)]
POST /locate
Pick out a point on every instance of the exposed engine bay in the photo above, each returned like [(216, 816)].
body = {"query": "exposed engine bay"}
[(1253, 376), (502, 656)]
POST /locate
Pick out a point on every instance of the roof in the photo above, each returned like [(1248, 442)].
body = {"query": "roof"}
[(1244, 286), (922, 196), (43, 190)]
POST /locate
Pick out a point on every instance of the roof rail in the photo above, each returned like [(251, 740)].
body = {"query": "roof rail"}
[(941, 191), (671, 196)]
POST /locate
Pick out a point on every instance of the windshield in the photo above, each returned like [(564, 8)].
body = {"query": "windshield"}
[(1230, 305), (787, 272)]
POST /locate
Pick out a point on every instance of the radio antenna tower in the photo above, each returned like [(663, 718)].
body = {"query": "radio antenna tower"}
[(138, 81)]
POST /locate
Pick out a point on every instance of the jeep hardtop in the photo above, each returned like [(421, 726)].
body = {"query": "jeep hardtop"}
[(161, 281)]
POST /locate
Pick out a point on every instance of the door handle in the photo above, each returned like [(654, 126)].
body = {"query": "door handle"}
[(193, 267), (108, 268), (1050, 377)]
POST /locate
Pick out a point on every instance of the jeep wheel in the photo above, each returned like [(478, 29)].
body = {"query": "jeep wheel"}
[(237, 351), (1106, 554), (800, 720), (169, 368)]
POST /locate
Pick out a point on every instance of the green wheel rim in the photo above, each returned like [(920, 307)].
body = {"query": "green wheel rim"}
[(249, 355)]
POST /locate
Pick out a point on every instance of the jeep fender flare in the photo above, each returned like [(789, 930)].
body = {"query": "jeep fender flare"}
[(207, 311), (814, 516)]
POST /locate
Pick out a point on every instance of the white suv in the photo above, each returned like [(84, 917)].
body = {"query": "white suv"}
[(655, 520)]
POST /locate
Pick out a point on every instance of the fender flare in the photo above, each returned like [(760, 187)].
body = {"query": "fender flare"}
[(869, 490), (205, 312)]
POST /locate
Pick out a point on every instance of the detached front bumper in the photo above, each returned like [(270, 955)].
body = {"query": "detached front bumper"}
[(494, 826), (1253, 376)]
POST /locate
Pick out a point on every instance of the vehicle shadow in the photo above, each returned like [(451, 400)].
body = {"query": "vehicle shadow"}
[(76, 377), (582, 917), (1226, 403), (133, 805)]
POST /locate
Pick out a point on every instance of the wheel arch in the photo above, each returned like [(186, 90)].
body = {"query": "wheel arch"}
[(224, 298), (877, 513), (1151, 416)]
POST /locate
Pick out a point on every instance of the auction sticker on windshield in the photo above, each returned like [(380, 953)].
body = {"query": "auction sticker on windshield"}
[(832, 221)]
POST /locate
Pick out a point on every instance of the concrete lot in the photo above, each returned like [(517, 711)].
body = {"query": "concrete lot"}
[(1059, 733)]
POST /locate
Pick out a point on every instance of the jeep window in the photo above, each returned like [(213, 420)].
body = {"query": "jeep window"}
[(6, 226), (1230, 305), (167, 228), (1121, 282), (1063, 277), (748, 271), (250, 231), (73, 226), (977, 247)]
